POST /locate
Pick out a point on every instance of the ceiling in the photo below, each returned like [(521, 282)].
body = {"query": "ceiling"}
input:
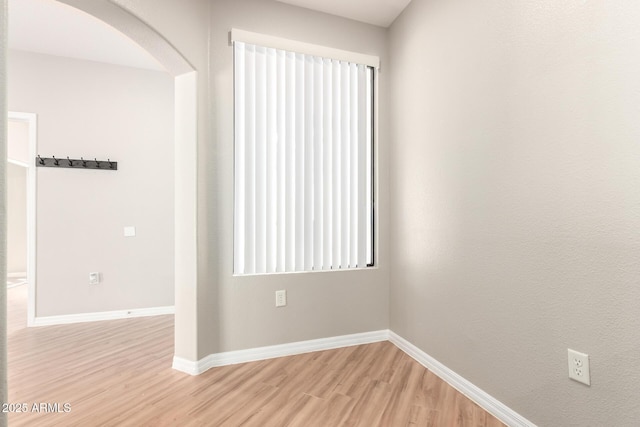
[(376, 12), (53, 28)]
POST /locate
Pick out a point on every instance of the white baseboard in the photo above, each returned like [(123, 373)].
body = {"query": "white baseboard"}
[(103, 315), (270, 352), (484, 400)]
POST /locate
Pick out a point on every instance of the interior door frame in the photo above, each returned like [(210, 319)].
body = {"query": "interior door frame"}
[(31, 120)]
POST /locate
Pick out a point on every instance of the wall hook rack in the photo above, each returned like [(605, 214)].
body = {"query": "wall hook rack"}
[(81, 163)]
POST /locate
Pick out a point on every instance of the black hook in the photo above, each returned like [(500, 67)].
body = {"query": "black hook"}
[(84, 162), (97, 163), (110, 163), (41, 160), (55, 161), (70, 161)]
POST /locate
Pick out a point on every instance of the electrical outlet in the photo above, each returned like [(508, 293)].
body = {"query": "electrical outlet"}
[(281, 298), (94, 278), (579, 367)]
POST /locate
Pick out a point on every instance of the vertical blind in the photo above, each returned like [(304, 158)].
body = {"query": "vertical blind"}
[(303, 162)]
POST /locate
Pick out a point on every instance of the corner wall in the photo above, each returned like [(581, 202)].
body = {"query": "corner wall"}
[(515, 192)]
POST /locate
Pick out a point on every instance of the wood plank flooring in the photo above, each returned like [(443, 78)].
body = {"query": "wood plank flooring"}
[(118, 373)]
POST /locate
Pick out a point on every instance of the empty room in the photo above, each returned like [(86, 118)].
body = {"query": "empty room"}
[(320, 213)]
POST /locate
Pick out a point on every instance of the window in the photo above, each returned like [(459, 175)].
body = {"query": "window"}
[(303, 162)]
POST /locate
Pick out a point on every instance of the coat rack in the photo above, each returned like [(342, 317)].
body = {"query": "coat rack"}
[(81, 163)]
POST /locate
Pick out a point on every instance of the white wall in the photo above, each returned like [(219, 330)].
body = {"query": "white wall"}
[(87, 109), (515, 197), (16, 218), (18, 150)]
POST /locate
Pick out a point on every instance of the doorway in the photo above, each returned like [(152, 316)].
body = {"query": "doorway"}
[(185, 164), (21, 182), (16, 222)]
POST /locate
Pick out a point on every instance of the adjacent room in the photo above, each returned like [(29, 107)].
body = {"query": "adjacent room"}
[(305, 212)]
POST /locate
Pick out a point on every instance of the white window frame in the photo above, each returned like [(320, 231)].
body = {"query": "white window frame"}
[(370, 61)]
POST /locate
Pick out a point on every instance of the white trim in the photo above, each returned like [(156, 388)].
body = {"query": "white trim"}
[(464, 386), (337, 270), (32, 120), (186, 366), (273, 351), (19, 274), (302, 47), (103, 315)]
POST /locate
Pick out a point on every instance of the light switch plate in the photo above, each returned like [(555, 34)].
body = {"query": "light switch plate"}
[(129, 231), (94, 278)]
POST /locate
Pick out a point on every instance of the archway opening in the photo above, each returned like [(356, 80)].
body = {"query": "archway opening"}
[(184, 159)]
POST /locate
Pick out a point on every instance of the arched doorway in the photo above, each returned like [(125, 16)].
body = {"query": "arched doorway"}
[(185, 143), (185, 160)]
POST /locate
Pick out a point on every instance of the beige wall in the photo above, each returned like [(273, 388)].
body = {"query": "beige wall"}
[(16, 218), (513, 192), (512, 196), (238, 313), (515, 196), (87, 109), (319, 304)]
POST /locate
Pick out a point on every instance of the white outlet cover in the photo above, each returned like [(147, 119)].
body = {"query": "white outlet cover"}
[(129, 231), (281, 298), (579, 366)]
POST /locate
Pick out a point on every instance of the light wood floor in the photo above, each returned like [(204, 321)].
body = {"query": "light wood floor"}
[(118, 373)]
